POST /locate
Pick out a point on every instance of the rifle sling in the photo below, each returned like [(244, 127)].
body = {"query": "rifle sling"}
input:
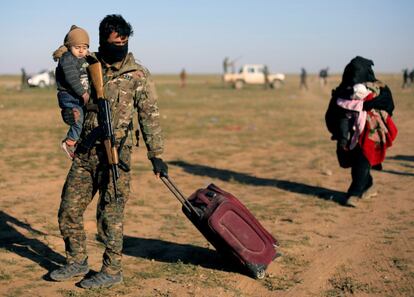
[(122, 164)]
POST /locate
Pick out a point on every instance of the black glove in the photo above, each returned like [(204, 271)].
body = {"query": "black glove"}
[(159, 166), (68, 116)]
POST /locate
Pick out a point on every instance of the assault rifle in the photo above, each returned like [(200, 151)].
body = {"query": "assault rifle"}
[(105, 121)]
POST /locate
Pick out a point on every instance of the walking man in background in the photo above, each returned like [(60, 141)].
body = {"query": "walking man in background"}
[(405, 78), (303, 76), (183, 78), (24, 78), (323, 76), (225, 65), (266, 76)]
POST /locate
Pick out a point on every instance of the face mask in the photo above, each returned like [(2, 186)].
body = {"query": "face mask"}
[(112, 53)]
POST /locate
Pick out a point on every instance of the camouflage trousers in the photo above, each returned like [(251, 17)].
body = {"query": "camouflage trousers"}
[(88, 175)]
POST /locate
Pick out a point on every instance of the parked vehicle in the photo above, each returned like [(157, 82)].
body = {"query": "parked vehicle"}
[(43, 79), (253, 74)]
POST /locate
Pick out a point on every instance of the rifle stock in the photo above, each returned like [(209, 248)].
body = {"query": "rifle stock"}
[(105, 121), (95, 71)]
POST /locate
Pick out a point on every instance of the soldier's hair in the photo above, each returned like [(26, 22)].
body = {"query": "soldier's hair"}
[(114, 23)]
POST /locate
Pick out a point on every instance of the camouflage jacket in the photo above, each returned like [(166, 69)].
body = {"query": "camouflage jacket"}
[(130, 89)]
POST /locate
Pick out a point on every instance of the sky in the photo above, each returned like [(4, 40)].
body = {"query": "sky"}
[(198, 34)]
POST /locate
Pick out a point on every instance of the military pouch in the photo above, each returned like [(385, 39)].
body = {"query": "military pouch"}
[(92, 107)]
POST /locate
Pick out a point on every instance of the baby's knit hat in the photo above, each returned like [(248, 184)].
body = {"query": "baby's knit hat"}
[(76, 36)]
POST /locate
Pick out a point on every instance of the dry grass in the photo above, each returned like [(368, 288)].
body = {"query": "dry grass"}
[(269, 147)]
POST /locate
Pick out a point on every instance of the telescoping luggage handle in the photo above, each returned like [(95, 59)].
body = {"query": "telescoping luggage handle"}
[(177, 193)]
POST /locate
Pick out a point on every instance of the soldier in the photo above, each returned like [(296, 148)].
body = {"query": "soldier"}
[(323, 76), (129, 88), (411, 76), (225, 65), (405, 78), (183, 78), (266, 76), (24, 77), (303, 76)]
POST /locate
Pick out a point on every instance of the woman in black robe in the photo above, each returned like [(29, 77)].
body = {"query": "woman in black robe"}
[(358, 70)]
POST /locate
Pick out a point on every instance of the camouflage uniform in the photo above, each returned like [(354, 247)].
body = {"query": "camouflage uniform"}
[(130, 89)]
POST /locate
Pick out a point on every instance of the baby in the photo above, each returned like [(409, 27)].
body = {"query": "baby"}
[(355, 116), (72, 83)]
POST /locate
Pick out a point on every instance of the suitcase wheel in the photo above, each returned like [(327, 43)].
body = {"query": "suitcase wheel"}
[(256, 270), (260, 274)]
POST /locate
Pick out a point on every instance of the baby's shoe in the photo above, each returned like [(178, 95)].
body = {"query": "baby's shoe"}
[(68, 146)]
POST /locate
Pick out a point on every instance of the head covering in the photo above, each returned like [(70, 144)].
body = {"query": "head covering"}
[(76, 36), (357, 71)]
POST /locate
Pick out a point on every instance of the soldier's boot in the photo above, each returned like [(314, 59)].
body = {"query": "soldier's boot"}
[(101, 280), (69, 271)]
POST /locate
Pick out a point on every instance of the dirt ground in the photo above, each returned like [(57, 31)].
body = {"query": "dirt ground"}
[(270, 148)]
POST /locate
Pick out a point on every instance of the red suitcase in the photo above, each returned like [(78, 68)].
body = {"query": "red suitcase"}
[(229, 226)]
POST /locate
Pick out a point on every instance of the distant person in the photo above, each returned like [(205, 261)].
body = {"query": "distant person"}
[(266, 76), (24, 84), (406, 77), (225, 65), (411, 76), (72, 83), (183, 78), (303, 78), (52, 77), (359, 119), (232, 65), (323, 76)]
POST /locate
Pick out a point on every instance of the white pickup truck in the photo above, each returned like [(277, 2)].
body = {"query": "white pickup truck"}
[(253, 74), (43, 79)]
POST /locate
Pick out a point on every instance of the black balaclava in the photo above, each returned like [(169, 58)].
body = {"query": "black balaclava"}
[(359, 70), (112, 53)]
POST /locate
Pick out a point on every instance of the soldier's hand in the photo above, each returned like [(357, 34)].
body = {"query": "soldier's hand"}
[(159, 167)]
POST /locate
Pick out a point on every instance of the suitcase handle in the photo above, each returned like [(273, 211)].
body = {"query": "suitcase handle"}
[(179, 195)]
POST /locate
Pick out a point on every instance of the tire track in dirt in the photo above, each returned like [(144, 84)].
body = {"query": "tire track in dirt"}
[(358, 243), (349, 247), (325, 262)]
